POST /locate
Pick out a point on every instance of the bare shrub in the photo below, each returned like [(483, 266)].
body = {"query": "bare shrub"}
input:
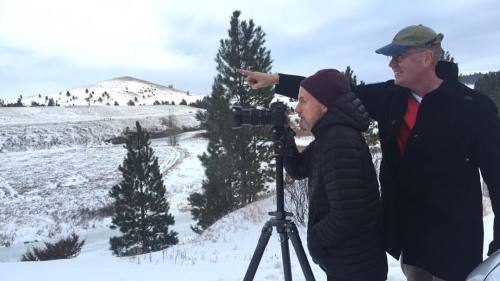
[(6, 239), (98, 213), (172, 128), (65, 248), (297, 199)]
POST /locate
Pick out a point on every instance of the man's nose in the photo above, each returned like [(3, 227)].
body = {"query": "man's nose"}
[(392, 62)]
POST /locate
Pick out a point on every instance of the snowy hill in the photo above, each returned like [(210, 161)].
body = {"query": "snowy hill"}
[(117, 91)]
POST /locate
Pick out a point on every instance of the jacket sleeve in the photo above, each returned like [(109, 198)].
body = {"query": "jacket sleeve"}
[(297, 164), (344, 177), (374, 96), (488, 155), (288, 85)]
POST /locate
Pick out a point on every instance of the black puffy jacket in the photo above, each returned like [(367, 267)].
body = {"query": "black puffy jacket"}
[(344, 234)]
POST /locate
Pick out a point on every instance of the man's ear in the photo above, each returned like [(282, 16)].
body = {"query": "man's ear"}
[(429, 57), (324, 109)]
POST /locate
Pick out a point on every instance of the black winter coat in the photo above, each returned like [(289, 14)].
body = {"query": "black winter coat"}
[(344, 228), (431, 195)]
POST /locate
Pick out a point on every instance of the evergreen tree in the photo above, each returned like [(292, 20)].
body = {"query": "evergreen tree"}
[(353, 80), (203, 103), (446, 56), (234, 158), (19, 101), (489, 84), (470, 78), (371, 134), (141, 210), (218, 197)]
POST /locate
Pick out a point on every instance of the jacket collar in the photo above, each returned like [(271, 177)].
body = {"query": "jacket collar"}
[(448, 72)]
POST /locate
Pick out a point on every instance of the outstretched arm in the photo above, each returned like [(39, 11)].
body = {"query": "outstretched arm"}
[(287, 85), (257, 80)]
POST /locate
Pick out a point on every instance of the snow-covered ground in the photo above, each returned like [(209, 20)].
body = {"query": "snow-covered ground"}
[(29, 128), (43, 190)]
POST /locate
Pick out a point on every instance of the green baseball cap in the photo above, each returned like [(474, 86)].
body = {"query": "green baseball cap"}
[(412, 36)]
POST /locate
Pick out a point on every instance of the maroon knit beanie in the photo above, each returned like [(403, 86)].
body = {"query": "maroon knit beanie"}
[(326, 85)]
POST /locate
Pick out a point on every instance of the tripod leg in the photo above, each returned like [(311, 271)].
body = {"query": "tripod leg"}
[(299, 250), (259, 250), (285, 254)]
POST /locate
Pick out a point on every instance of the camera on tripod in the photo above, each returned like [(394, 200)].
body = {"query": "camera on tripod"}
[(249, 116), (280, 219)]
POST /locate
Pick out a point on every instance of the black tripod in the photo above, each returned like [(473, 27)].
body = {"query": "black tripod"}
[(281, 220)]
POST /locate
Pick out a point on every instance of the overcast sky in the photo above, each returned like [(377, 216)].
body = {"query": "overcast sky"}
[(51, 45)]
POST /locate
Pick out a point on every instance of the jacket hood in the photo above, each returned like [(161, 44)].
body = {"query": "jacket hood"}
[(447, 70), (346, 110)]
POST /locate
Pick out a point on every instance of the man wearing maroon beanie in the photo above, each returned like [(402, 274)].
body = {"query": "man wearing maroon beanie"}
[(343, 234), (317, 92)]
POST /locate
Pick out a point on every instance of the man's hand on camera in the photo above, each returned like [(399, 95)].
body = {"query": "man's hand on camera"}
[(286, 123), (257, 80), (288, 138)]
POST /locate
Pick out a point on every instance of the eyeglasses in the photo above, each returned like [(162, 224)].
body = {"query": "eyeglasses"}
[(400, 58)]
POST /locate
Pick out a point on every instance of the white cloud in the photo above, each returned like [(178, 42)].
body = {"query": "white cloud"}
[(292, 17), (110, 33), (77, 41)]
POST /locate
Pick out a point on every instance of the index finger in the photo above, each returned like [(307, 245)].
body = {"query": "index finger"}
[(243, 71)]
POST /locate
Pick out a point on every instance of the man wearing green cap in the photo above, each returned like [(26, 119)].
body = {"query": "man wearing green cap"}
[(436, 133)]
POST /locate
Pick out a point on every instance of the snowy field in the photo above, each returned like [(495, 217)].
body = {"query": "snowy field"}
[(32, 128), (46, 189), (42, 192)]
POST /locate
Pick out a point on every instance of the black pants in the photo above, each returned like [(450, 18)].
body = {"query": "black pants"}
[(333, 278)]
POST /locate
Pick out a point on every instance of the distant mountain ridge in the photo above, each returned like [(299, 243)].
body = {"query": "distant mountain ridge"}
[(119, 91)]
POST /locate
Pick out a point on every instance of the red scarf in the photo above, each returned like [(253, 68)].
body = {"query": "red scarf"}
[(408, 123)]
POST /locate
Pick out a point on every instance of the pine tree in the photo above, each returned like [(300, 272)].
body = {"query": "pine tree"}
[(218, 197), (371, 134), (234, 158), (141, 210), (353, 80), (446, 56), (19, 101)]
